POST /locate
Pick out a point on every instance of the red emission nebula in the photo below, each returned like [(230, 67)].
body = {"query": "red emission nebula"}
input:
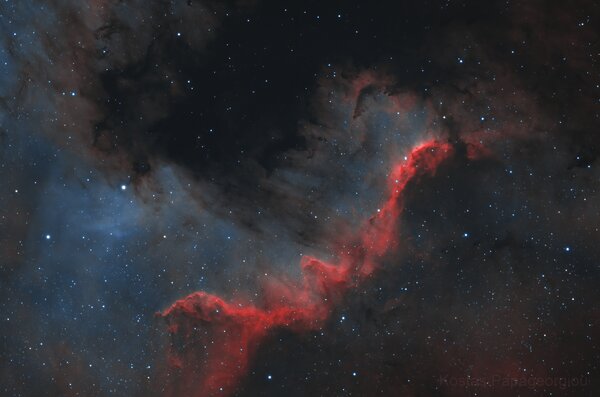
[(225, 335)]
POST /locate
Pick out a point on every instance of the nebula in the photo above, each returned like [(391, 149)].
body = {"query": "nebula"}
[(246, 198), (228, 333)]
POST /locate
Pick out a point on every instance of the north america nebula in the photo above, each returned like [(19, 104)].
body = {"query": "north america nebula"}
[(321, 198)]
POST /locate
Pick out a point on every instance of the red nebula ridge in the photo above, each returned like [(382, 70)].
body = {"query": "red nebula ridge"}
[(218, 338)]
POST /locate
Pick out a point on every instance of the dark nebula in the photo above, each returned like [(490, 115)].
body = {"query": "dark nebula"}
[(317, 198)]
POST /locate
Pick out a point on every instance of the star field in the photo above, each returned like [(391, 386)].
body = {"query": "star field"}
[(318, 198)]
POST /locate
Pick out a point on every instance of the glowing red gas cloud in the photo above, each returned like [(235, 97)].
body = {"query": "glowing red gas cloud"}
[(219, 338)]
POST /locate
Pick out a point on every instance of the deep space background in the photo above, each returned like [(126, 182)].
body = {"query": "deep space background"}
[(150, 149)]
